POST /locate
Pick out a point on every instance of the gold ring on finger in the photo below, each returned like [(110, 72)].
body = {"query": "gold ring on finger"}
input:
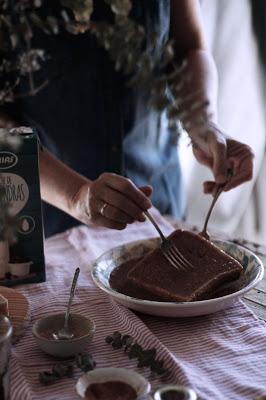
[(103, 208)]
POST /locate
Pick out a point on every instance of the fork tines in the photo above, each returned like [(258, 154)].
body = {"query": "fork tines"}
[(174, 256)]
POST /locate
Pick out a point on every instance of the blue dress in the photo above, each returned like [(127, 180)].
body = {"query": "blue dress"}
[(89, 118)]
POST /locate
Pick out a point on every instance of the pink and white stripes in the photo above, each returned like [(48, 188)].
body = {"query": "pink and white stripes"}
[(221, 356)]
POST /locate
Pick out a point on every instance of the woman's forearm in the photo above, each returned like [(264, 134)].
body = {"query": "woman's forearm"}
[(199, 80), (110, 200), (59, 183), (203, 82)]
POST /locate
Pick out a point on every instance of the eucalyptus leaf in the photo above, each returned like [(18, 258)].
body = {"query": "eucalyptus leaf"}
[(47, 378), (85, 362), (53, 24), (82, 9), (121, 7), (38, 22), (61, 370), (145, 358), (58, 371)]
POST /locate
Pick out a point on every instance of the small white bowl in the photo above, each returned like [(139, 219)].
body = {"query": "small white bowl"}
[(82, 327), (101, 375), (20, 269), (185, 392)]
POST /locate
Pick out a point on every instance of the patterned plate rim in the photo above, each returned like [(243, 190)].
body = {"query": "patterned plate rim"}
[(120, 296)]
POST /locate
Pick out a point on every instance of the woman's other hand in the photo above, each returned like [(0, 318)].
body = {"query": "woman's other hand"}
[(111, 201), (221, 154)]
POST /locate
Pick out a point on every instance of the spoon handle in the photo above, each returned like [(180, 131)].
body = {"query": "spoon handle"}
[(72, 292)]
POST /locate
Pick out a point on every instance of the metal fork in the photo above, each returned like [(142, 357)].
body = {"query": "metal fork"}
[(204, 232), (169, 250)]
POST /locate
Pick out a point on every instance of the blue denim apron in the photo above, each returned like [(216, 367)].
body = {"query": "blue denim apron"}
[(91, 120)]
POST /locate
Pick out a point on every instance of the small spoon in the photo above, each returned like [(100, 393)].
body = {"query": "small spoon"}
[(64, 333)]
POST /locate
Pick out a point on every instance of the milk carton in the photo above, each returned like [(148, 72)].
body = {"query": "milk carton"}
[(22, 261)]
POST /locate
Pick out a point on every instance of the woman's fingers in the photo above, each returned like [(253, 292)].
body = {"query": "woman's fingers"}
[(238, 180), (243, 175), (109, 223), (121, 203), (241, 171), (147, 190), (221, 154), (107, 210), (209, 187), (127, 187), (114, 201), (241, 161)]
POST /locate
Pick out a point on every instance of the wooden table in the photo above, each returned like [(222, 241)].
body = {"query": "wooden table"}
[(256, 298)]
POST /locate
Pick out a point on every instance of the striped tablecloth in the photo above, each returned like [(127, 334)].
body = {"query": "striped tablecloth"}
[(221, 356)]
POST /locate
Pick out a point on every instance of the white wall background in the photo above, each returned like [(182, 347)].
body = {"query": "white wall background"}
[(242, 111)]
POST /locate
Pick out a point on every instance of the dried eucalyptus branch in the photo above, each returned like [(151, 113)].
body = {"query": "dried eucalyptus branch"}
[(125, 40), (145, 357)]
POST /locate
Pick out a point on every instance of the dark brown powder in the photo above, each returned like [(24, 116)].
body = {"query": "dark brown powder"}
[(173, 395), (113, 390)]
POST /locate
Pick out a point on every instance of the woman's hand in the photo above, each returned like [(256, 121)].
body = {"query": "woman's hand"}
[(222, 154), (111, 201)]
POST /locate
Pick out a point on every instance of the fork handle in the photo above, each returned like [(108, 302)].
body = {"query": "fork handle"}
[(219, 191), (148, 215)]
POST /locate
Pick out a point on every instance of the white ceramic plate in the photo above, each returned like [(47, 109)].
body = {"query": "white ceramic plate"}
[(100, 375), (105, 264)]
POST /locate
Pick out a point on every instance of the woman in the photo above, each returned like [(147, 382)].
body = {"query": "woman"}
[(99, 136)]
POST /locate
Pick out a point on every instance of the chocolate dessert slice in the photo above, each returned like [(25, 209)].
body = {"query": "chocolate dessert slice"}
[(120, 283), (211, 268)]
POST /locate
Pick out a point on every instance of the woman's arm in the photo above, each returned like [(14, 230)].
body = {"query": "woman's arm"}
[(189, 42), (59, 183), (84, 199), (186, 27), (212, 147)]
